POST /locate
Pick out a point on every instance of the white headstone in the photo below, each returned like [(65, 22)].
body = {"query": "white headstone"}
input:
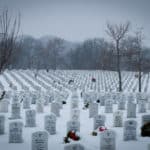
[(40, 140), (55, 108), (130, 127), (131, 110), (4, 106), (142, 106), (121, 104), (58, 99), (108, 140), (102, 100), (74, 103), (2, 124), (118, 119), (39, 106), (46, 99), (73, 126), (34, 97), (93, 110), (15, 132), (15, 111), (145, 119), (99, 121), (30, 118), (26, 102), (15, 98), (50, 124), (74, 147), (75, 114), (108, 106)]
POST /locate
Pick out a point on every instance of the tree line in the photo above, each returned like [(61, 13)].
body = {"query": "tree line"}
[(95, 53)]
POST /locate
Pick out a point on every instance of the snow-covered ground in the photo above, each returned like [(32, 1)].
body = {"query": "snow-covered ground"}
[(105, 81)]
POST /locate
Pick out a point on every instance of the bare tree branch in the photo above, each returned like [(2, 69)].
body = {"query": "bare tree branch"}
[(9, 29), (117, 33)]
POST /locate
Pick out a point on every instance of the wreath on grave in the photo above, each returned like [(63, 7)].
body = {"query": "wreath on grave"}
[(2, 95), (71, 135), (86, 106), (93, 80), (145, 130), (100, 129)]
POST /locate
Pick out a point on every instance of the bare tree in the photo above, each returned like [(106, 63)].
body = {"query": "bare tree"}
[(139, 40), (53, 51), (9, 29), (117, 33)]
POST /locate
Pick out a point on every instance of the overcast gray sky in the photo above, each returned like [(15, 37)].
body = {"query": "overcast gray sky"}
[(77, 20)]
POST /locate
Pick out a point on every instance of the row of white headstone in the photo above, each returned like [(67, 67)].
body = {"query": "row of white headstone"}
[(40, 138)]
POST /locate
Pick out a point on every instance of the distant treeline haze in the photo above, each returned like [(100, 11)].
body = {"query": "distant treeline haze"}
[(56, 53)]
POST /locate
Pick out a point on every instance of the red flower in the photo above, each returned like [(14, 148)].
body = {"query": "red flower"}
[(101, 129), (73, 136)]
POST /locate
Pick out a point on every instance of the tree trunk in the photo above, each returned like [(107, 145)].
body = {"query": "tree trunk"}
[(55, 60), (118, 66), (140, 83), (140, 75)]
